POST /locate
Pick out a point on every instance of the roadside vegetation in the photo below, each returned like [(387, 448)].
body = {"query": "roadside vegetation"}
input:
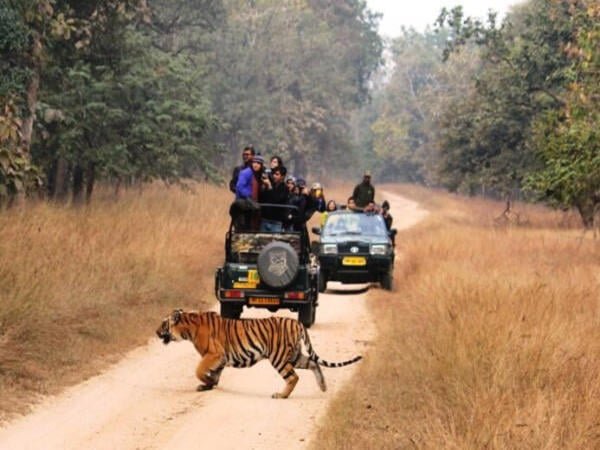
[(490, 340), (78, 287)]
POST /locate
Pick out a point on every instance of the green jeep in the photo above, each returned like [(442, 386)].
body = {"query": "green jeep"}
[(271, 270)]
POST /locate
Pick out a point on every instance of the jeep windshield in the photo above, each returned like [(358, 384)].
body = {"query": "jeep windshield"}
[(351, 223)]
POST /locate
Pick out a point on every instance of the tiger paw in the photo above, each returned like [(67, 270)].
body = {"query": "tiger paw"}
[(204, 387)]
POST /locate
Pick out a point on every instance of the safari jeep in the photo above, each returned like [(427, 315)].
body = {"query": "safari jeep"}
[(271, 270)]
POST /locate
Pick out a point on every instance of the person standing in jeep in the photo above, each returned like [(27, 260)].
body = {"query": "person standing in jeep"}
[(247, 156), (251, 181), (364, 193), (274, 192)]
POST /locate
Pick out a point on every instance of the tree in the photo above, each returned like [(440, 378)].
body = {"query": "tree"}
[(568, 140), (407, 105), (121, 106), (522, 76), (287, 75)]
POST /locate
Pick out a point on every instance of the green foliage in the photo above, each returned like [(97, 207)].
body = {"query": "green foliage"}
[(139, 118), (135, 90), (568, 140), (403, 131), (17, 175), (522, 75), (288, 74), (513, 108), (14, 38)]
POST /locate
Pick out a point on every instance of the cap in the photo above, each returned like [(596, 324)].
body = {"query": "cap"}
[(316, 186), (301, 182), (367, 173), (258, 158), (290, 178)]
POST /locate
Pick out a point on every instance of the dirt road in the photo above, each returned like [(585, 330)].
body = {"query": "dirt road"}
[(148, 400)]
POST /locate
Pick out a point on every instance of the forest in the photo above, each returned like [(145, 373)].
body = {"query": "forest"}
[(124, 92)]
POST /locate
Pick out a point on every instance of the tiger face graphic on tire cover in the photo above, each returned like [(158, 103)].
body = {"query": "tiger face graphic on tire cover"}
[(242, 343)]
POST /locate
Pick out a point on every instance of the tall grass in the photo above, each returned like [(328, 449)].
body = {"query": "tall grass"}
[(79, 286), (490, 340)]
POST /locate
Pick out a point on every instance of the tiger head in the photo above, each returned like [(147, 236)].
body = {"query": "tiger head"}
[(170, 328)]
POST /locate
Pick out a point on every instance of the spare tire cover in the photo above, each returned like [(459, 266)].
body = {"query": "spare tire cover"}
[(277, 264)]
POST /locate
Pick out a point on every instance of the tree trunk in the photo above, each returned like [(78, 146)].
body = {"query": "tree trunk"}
[(57, 179), (90, 179), (61, 183), (32, 92), (587, 208), (78, 184)]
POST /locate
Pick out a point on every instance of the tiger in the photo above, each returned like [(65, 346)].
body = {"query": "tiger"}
[(242, 343)]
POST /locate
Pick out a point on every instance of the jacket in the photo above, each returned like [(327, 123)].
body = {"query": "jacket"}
[(363, 194), (277, 195), (243, 187)]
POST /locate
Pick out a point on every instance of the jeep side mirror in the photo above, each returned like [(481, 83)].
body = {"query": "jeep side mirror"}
[(392, 232), (316, 230)]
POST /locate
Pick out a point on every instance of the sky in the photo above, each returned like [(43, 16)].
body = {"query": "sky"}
[(420, 13)]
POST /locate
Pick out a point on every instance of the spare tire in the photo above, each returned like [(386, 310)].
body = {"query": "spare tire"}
[(278, 264)]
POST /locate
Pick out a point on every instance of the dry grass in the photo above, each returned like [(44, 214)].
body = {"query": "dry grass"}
[(491, 339), (80, 286)]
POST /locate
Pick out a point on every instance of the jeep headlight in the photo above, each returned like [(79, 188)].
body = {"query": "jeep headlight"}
[(379, 249), (330, 249)]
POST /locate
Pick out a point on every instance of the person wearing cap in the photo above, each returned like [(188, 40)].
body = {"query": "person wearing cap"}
[(364, 192), (250, 183), (290, 183), (250, 179), (315, 201), (318, 197), (247, 155)]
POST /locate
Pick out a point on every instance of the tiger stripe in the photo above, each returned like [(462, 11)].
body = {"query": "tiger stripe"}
[(242, 343)]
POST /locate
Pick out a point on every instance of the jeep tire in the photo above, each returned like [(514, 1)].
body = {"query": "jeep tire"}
[(278, 264), (322, 281), (229, 311), (387, 280), (307, 314)]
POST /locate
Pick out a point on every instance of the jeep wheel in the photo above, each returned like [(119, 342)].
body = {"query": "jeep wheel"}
[(229, 311), (322, 282), (278, 264), (307, 314), (387, 280)]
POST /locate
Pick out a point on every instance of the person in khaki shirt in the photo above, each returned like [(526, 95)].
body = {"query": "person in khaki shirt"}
[(364, 192)]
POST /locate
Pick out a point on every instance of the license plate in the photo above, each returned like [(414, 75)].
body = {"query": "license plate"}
[(263, 301), (354, 261), (244, 285)]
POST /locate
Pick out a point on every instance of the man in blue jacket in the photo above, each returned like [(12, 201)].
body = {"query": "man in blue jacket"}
[(247, 156)]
